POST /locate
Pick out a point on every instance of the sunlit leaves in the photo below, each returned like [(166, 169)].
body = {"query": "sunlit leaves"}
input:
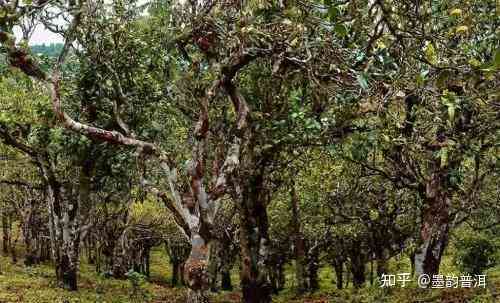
[(430, 53), (22, 101), (363, 80)]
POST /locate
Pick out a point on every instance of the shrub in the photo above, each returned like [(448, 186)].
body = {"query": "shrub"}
[(475, 254), (137, 291)]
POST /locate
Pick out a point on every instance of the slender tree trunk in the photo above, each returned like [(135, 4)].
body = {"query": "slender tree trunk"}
[(300, 249), (312, 271), (213, 266), (6, 233), (412, 263), (434, 231), (13, 250), (339, 273), (371, 272)]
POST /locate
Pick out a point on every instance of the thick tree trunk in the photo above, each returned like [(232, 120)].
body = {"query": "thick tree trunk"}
[(312, 269), (226, 283), (254, 250), (30, 257), (30, 235), (196, 270), (254, 244), (67, 273), (358, 269), (178, 251), (65, 225), (119, 267), (434, 231), (175, 273), (381, 262)]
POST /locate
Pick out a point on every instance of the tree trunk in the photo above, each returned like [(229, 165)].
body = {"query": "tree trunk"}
[(254, 244), (175, 273), (339, 273), (213, 266), (13, 250), (67, 273), (31, 250), (312, 269), (358, 270), (195, 270), (300, 250), (381, 262), (226, 283), (6, 233), (412, 263), (434, 231), (64, 224)]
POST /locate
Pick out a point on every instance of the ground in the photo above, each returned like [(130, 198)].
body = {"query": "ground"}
[(36, 285)]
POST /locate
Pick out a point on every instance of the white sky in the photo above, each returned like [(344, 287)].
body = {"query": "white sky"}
[(40, 36)]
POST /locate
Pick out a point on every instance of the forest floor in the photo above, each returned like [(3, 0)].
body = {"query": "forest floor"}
[(36, 285)]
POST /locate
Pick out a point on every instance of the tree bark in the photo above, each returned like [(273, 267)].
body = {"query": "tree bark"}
[(434, 231), (6, 233), (195, 270), (300, 250), (339, 273), (254, 244), (312, 269), (65, 223), (358, 268), (226, 283), (175, 273)]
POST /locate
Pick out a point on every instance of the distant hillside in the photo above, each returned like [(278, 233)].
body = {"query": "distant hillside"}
[(49, 50)]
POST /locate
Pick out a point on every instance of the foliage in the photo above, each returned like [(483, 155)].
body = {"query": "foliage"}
[(137, 291), (48, 50), (475, 254)]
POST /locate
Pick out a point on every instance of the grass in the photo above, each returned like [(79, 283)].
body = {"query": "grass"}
[(36, 285)]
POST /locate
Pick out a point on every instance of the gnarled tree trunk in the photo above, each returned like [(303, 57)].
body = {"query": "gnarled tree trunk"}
[(434, 231), (254, 243), (195, 270)]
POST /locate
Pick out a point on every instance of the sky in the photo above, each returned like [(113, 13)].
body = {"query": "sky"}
[(41, 35)]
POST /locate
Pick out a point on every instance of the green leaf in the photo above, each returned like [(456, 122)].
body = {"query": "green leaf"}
[(363, 81), (443, 153), (333, 12), (496, 59), (451, 112), (340, 30), (422, 77), (430, 53)]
